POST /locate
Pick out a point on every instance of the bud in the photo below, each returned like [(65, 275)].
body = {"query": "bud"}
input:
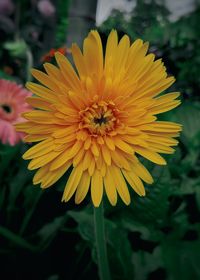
[(46, 8)]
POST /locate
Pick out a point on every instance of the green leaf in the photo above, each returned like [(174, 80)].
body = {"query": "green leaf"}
[(188, 114), (16, 239), (32, 196), (152, 209), (7, 153), (49, 231), (119, 249), (181, 259), (146, 263), (16, 48)]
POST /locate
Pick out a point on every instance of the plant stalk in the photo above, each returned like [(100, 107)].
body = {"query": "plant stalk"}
[(102, 257)]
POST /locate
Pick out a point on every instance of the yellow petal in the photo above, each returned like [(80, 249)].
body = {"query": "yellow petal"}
[(87, 160), (93, 53), (41, 91), (121, 54), (35, 138), (78, 157), (123, 146), (53, 72), (119, 159), (39, 103), (53, 176), (66, 155), (142, 172), (40, 149), (68, 72), (110, 143), (64, 131), (42, 160), (72, 183), (82, 188), (150, 155), (41, 117), (40, 174), (95, 149), (120, 184), (134, 182), (91, 168), (45, 79), (111, 48), (106, 154), (79, 61), (96, 188), (110, 188)]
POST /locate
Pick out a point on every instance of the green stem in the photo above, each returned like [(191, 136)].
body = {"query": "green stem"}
[(101, 243), (29, 61)]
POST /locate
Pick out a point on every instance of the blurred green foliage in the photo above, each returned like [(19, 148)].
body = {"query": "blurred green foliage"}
[(156, 237)]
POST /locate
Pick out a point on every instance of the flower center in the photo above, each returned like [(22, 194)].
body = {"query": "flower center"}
[(98, 119), (7, 109), (101, 120)]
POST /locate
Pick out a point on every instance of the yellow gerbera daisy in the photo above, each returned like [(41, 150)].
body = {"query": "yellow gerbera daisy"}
[(99, 119)]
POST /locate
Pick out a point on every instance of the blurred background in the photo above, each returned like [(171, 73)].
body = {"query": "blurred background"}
[(156, 237)]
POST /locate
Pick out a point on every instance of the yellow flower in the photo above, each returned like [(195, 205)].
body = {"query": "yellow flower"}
[(99, 118)]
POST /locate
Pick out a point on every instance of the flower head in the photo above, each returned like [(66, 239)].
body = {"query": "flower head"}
[(99, 118), (12, 104)]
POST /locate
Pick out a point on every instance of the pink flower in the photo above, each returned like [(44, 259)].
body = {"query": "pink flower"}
[(12, 104)]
